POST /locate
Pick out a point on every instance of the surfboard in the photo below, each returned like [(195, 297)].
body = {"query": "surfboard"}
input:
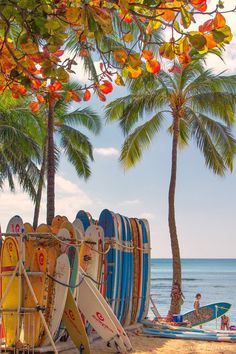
[(74, 325), (9, 260), (147, 260), (100, 315), (73, 255), (89, 256), (85, 218), (56, 223), (33, 327), (62, 274), (137, 270), (66, 236), (29, 245), (130, 275), (145, 272), (79, 228), (211, 337), (207, 313), (141, 274), (69, 226), (106, 221), (11, 255), (15, 225), (161, 326), (119, 250), (52, 254)]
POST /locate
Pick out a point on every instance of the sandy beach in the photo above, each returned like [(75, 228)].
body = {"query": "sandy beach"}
[(143, 345)]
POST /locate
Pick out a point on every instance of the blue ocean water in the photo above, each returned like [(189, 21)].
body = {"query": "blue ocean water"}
[(215, 279)]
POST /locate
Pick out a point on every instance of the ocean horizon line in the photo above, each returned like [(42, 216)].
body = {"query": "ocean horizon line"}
[(195, 258)]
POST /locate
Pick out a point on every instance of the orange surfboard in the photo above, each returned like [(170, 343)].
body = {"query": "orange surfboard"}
[(33, 327)]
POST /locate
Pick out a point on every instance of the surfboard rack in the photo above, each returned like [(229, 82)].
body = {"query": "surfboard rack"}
[(23, 278)]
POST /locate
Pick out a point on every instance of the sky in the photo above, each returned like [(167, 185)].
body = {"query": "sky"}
[(205, 203)]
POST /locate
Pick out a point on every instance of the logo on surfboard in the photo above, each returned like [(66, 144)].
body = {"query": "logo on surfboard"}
[(100, 319)]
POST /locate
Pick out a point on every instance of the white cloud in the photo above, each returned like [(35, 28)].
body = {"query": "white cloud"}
[(109, 151), (65, 186), (148, 216), (130, 202), (69, 199)]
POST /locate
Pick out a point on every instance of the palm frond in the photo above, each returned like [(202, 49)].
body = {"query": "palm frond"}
[(129, 109), (85, 117), (218, 104), (76, 140), (77, 156), (139, 140), (214, 140)]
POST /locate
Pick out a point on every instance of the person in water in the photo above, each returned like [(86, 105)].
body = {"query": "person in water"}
[(197, 306), (224, 325)]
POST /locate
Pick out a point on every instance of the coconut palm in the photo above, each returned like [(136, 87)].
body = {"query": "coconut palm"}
[(69, 140), (201, 107), (19, 145)]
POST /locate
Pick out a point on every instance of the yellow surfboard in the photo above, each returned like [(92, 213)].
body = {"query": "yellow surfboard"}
[(33, 327), (85, 254), (56, 223), (74, 325), (52, 254), (9, 260)]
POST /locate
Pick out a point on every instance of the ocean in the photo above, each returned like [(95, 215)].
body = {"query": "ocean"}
[(215, 279)]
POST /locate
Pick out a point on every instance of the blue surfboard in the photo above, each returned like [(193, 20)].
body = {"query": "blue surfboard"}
[(84, 218), (216, 337), (207, 313), (107, 223)]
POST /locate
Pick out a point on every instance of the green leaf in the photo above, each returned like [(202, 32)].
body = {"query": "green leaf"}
[(53, 24), (197, 40), (186, 17)]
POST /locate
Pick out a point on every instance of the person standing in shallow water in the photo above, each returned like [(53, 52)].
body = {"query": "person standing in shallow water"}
[(197, 306)]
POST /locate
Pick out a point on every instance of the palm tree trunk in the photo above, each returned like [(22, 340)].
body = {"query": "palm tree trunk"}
[(176, 293), (40, 187), (51, 163)]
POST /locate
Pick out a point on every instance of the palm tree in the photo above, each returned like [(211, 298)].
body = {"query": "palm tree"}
[(201, 107), (69, 140), (19, 145)]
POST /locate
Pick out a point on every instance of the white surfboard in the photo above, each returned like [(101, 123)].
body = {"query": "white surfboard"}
[(79, 228), (62, 274), (15, 225), (65, 235), (100, 315)]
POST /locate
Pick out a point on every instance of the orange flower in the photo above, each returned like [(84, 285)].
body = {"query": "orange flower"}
[(55, 86), (106, 87), (87, 95), (40, 98), (153, 66), (34, 106), (58, 53)]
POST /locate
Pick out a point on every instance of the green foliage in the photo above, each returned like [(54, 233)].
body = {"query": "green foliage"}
[(19, 145), (208, 103)]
